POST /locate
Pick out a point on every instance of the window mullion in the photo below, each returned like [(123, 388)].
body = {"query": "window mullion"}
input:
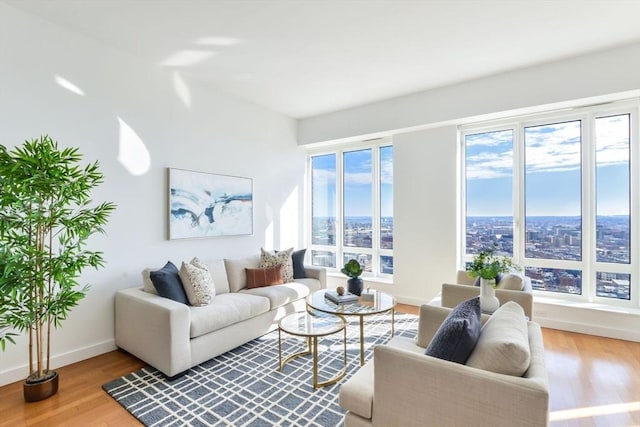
[(588, 207)]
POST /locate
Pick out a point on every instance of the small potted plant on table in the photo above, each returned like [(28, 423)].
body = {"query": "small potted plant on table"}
[(353, 269)]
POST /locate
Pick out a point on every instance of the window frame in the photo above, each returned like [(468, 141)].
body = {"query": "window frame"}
[(339, 249), (589, 264)]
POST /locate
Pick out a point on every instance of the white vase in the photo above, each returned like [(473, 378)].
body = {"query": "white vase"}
[(488, 300)]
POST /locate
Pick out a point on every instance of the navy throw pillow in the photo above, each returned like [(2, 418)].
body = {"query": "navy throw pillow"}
[(168, 284), (297, 258), (457, 336)]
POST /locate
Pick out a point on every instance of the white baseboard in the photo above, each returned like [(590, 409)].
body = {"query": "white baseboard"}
[(581, 328), (20, 373), (410, 300)]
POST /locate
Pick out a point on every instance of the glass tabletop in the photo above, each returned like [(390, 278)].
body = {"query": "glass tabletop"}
[(311, 324), (380, 303)]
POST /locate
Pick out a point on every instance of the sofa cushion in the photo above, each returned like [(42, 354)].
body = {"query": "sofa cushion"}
[(197, 282), (280, 295), (503, 346), (311, 283), (283, 258), (236, 273), (168, 284), (219, 275), (225, 310), (297, 258), (258, 277), (457, 335), (512, 282)]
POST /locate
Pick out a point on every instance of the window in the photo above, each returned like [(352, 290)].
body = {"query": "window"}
[(554, 193), (352, 208)]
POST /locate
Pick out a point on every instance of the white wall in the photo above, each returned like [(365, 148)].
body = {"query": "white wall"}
[(424, 203), (423, 129), (193, 128)]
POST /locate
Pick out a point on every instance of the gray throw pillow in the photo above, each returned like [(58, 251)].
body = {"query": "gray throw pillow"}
[(458, 334)]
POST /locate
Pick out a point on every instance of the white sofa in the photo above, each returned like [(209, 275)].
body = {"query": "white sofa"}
[(402, 386), (173, 337)]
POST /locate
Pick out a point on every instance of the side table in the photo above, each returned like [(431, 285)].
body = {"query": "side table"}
[(311, 326)]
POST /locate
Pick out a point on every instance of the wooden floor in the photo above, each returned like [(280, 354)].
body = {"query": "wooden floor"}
[(593, 382)]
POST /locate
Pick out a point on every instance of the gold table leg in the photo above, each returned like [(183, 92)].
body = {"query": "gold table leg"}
[(393, 321), (361, 340), (340, 374), (312, 341)]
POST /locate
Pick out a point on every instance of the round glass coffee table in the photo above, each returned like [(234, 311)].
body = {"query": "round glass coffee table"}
[(311, 326), (379, 302)]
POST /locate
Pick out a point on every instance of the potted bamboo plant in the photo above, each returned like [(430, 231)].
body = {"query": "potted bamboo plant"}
[(46, 217)]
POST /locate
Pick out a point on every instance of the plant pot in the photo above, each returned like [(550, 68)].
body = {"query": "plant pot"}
[(488, 300), (40, 390), (355, 286)]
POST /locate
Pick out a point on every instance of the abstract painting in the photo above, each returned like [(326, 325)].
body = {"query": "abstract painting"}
[(205, 204)]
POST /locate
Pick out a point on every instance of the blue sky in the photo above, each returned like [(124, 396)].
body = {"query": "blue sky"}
[(358, 186), (552, 175)]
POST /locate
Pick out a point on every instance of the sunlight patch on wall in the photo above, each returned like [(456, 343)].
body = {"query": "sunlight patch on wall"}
[(187, 58), (132, 152), (66, 84), (269, 236), (217, 41), (594, 411), (182, 89), (289, 221)]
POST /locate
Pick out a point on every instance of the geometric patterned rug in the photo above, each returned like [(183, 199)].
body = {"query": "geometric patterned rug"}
[(244, 387)]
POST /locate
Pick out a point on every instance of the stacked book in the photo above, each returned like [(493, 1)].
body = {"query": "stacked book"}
[(340, 299)]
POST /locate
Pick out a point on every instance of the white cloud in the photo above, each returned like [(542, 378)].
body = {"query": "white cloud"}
[(324, 177), (612, 140), (357, 178), (386, 171)]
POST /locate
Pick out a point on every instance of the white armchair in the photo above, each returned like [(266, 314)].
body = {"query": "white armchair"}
[(402, 386), (463, 289)]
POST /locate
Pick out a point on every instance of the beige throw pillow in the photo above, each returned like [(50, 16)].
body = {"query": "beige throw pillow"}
[(146, 280), (503, 346), (197, 282), (282, 258), (512, 282), (236, 273)]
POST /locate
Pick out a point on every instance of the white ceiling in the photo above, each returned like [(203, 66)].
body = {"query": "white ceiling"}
[(308, 57)]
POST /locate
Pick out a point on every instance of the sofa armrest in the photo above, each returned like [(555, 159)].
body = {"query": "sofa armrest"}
[(154, 329), (319, 273), (410, 388), (524, 298), (454, 294)]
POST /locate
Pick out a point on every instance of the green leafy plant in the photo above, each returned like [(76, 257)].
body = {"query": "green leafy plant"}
[(46, 217), (487, 265), (352, 269)]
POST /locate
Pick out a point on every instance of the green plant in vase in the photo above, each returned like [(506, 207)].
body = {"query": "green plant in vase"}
[(46, 217), (353, 270), (487, 265)]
